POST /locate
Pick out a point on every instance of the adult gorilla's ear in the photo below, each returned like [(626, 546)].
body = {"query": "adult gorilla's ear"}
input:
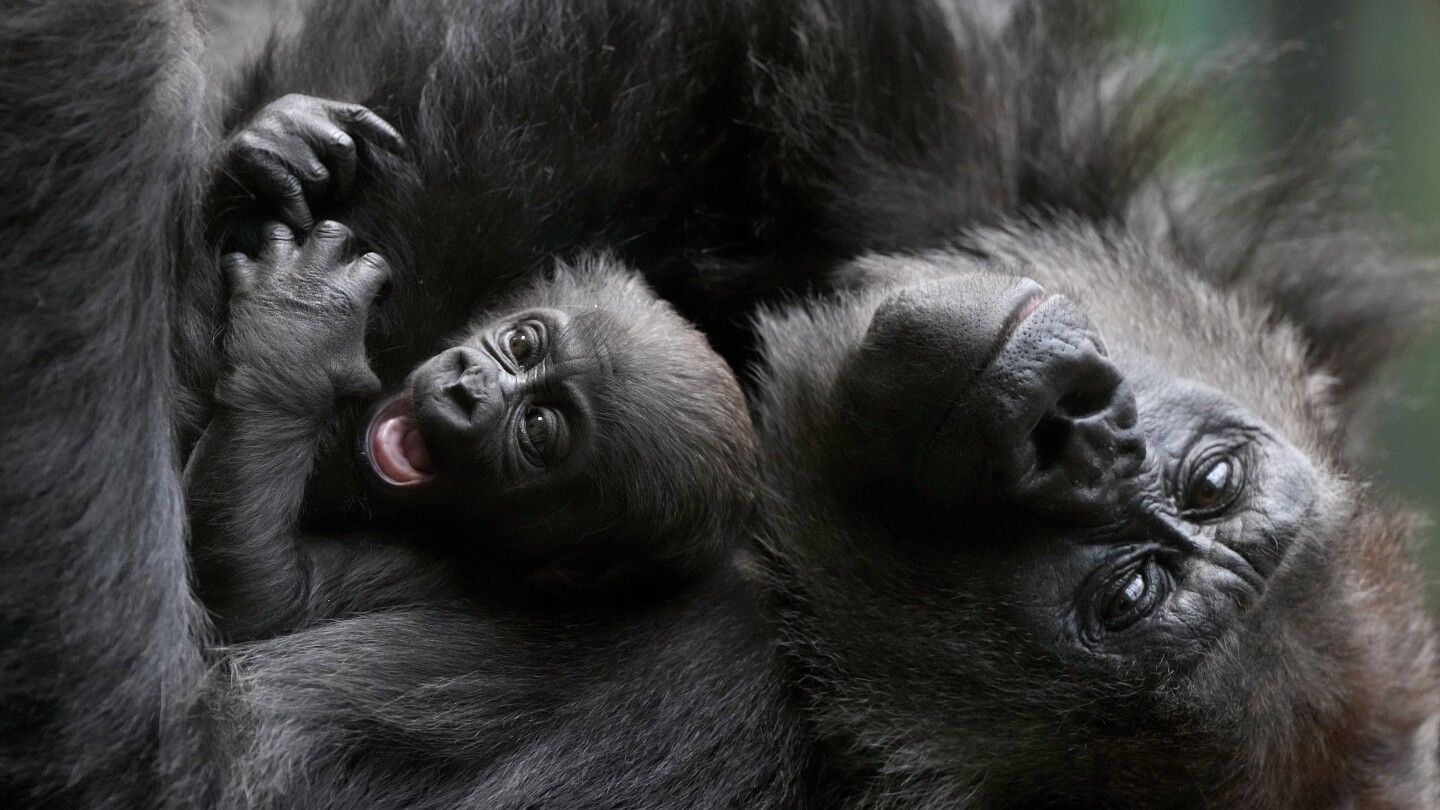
[(1303, 244)]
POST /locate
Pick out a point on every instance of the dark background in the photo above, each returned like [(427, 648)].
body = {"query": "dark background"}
[(1374, 66)]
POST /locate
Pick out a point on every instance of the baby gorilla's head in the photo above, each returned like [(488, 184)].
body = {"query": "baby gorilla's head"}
[(586, 431)]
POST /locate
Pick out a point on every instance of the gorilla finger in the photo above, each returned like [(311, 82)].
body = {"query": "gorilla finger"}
[(314, 177), (277, 236), (372, 127), (277, 182), (328, 242), (368, 274), (337, 149), (280, 242), (239, 272)]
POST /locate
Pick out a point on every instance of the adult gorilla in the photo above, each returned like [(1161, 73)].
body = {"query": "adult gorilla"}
[(971, 626), (1094, 541), (1087, 543), (110, 696)]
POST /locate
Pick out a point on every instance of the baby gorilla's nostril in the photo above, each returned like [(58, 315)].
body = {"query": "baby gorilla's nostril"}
[(476, 383), (466, 384), (459, 362), (461, 397)]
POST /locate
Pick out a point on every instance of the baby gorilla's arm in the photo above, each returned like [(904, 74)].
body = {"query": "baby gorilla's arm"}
[(295, 347)]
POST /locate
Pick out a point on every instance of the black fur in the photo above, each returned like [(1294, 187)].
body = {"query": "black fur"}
[(1003, 135), (651, 483), (100, 144), (112, 696), (1028, 146)]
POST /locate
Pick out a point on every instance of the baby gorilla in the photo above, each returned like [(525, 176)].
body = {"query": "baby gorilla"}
[(584, 438)]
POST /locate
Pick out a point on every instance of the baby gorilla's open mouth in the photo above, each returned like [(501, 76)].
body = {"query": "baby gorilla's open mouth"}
[(396, 447)]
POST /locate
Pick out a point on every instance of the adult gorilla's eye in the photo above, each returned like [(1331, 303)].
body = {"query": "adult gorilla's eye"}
[(538, 434), (523, 343), (1212, 487), (1133, 596)]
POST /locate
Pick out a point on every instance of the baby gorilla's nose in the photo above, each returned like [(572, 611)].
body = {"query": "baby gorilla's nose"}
[(471, 381)]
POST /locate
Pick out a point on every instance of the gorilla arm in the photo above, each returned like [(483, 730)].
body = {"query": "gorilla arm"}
[(295, 349), (105, 695), (101, 156)]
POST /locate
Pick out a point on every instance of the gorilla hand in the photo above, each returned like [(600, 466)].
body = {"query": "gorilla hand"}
[(295, 347), (297, 322), (299, 149)]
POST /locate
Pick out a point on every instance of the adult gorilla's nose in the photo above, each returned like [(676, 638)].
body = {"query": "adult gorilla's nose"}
[(924, 349), (1061, 418), (1049, 423), (932, 340)]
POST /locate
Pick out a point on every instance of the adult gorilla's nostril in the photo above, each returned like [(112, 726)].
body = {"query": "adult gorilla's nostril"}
[(1087, 400), (1085, 442), (1050, 437), (1095, 405)]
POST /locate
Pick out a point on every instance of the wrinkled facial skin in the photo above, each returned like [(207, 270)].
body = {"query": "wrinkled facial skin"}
[(1139, 512), (1185, 545), (1041, 545), (502, 423), (511, 401)]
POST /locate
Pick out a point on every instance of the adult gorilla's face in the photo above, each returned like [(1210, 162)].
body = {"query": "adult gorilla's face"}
[(1015, 440), (1046, 528)]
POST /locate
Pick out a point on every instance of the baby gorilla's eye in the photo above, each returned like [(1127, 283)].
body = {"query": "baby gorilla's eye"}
[(523, 344), (1213, 487), (538, 435), (1133, 596)]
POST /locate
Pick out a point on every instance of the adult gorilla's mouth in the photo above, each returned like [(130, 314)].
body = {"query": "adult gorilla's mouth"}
[(395, 445), (1030, 300), (1022, 301)]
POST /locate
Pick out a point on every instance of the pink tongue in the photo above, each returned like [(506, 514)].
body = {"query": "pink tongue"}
[(396, 446), (414, 447)]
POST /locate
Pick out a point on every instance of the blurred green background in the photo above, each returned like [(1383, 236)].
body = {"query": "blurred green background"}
[(1374, 64)]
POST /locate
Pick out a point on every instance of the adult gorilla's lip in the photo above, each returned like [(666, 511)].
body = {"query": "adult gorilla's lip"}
[(1030, 300), (1028, 297), (395, 445)]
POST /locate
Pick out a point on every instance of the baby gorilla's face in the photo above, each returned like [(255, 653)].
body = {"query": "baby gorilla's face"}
[(587, 427), (499, 432), (511, 403)]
